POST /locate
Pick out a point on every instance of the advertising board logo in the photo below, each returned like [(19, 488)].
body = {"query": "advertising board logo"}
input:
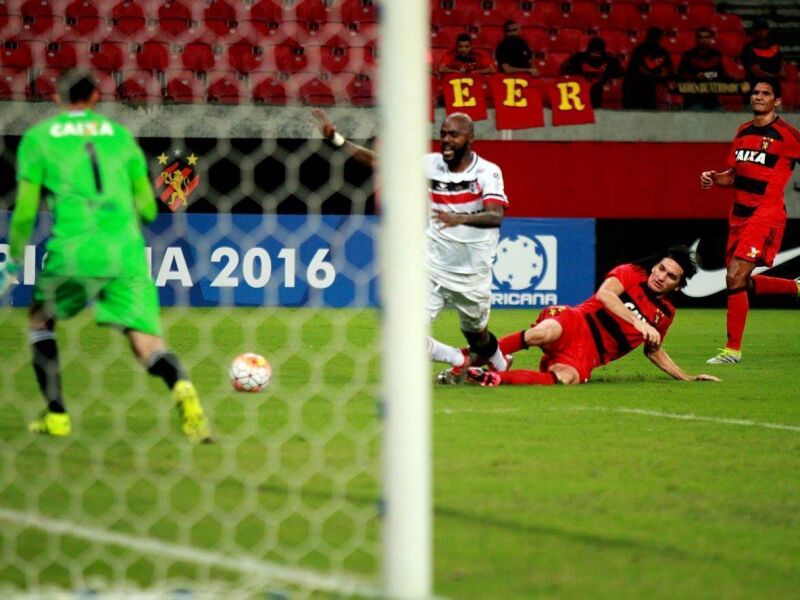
[(525, 271)]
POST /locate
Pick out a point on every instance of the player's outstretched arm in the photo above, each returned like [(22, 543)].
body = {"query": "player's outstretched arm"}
[(328, 130), (609, 294), (663, 361), (144, 201), (720, 178)]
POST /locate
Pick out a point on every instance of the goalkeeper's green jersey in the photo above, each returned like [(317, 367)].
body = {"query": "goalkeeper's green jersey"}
[(89, 164)]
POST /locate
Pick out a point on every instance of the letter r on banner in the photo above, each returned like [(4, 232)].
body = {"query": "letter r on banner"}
[(571, 103)]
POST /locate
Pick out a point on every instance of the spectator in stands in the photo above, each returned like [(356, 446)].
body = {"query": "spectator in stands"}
[(595, 65), (650, 67), (762, 57), (464, 59), (513, 55), (700, 64)]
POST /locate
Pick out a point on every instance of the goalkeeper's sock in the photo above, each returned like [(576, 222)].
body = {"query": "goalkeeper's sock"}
[(164, 364), (46, 367)]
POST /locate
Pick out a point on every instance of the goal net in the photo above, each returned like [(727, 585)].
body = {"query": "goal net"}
[(267, 241)]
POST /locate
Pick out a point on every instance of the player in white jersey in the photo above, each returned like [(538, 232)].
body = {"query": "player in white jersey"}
[(467, 206)]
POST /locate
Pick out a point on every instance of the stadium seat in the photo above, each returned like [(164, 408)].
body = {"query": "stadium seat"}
[(198, 56), (183, 86), (13, 84), (152, 55), (360, 90), (37, 16), (726, 22), (792, 72), (107, 56), (357, 12), (128, 18), (490, 12), (290, 57), (245, 56), (550, 63), (733, 67), (730, 43), (63, 55), (320, 36), (311, 14), (696, 13), (790, 95), (538, 39), (220, 18), (487, 36), (10, 25), (679, 41), (622, 15), (612, 94), (140, 86), (45, 85), (335, 55), (617, 41), (224, 88), (443, 12), (316, 92), (586, 14), (82, 17), (567, 39), (269, 90), (662, 14), (266, 17), (17, 55), (444, 36), (174, 18), (107, 86)]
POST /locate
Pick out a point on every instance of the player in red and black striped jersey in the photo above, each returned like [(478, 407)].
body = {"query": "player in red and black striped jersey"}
[(760, 163), (630, 308)]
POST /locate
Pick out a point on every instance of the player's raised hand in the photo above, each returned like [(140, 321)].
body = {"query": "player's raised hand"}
[(326, 127), (707, 179), (704, 377), (8, 276)]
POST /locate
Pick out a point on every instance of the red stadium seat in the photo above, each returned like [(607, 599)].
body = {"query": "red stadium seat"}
[(730, 43), (733, 68), (45, 85), (174, 18), (244, 56), (617, 41), (320, 36), (83, 17), (336, 55), (696, 13), (444, 36), (726, 22), (490, 12), (266, 17), (612, 93), (290, 57), (224, 88), (538, 39), (568, 39), (140, 86), (13, 84), (311, 14), (128, 18), (63, 55), (792, 72), (357, 12), (443, 12), (487, 36), (220, 17), (16, 55), (361, 90), (586, 14), (622, 15), (679, 42), (198, 56), (37, 16), (790, 95), (153, 55), (269, 90), (183, 86), (550, 64), (663, 14), (107, 56), (316, 92), (107, 86)]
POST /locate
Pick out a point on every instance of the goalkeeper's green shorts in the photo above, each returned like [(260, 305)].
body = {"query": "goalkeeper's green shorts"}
[(124, 302)]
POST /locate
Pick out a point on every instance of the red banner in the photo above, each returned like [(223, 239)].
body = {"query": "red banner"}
[(465, 93), (517, 101), (570, 101)]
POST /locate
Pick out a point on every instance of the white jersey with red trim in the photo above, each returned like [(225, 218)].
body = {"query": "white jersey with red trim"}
[(460, 257)]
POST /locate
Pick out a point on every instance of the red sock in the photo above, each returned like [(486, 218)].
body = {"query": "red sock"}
[(523, 377), (738, 305), (512, 343), (774, 285)]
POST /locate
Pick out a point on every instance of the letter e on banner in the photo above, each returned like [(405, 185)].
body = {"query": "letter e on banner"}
[(465, 93), (569, 98), (517, 101)]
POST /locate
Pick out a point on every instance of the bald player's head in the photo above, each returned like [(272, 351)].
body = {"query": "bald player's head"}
[(456, 137)]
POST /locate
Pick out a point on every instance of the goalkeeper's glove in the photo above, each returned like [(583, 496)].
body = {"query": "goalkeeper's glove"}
[(8, 275)]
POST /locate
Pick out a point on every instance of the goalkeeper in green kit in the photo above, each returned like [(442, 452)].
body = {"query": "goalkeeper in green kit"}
[(101, 192)]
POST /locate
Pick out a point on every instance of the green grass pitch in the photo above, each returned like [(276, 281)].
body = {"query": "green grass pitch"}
[(633, 486)]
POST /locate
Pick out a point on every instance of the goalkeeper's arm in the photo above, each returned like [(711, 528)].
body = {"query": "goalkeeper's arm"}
[(143, 200)]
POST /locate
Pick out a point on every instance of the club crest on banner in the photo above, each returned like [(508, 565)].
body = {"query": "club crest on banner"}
[(177, 180)]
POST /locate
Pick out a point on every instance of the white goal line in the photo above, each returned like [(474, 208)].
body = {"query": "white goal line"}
[(242, 564)]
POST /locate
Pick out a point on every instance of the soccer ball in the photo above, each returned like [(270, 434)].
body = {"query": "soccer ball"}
[(250, 373)]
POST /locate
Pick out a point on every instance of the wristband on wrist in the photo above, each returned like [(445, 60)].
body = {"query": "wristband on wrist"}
[(338, 139)]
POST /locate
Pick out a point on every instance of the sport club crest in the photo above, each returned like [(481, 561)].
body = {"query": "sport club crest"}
[(765, 142), (178, 178)]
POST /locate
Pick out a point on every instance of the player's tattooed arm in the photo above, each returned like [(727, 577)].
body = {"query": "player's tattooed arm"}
[(609, 294), (328, 130), (663, 361), (489, 218)]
